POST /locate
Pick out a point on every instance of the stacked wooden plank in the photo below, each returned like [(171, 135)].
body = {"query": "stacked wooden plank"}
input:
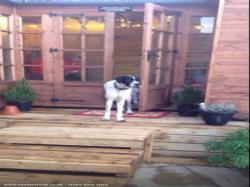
[(74, 149)]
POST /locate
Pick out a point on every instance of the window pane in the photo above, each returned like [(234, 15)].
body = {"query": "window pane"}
[(94, 42), (157, 20), (33, 73), (166, 40), (196, 76), (32, 24), (94, 74), (7, 73), (198, 60), (152, 76), (153, 58), (200, 42), (155, 40), (72, 58), (4, 23), (72, 41), (168, 23), (6, 57), (164, 60), (94, 58), (163, 76), (95, 24), (5, 39), (32, 58), (202, 24), (72, 24), (31, 40), (72, 74)]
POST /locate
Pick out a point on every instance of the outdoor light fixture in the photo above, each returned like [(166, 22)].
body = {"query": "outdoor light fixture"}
[(198, 27), (126, 23)]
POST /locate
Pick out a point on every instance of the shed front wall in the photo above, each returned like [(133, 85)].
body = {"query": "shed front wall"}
[(84, 94), (228, 79)]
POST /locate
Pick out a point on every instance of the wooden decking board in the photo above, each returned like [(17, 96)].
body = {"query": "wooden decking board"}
[(66, 166), (63, 156), (72, 149), (86, 162), (21, 177), (72, 136), (74, 142), (172, 120), (58, 160), (80, 131), (133, 124), (175, 138)]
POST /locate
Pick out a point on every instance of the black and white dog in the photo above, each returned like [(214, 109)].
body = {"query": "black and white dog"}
[(122, 89)]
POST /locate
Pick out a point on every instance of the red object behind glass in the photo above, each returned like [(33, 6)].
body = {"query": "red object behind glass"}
[(39, 70)]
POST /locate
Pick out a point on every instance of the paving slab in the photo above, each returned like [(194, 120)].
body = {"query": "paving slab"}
[(169, 175)]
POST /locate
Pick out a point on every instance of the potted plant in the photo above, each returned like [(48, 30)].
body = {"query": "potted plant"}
[(188, 100), (217, 114), (20, 94), (10, 108)]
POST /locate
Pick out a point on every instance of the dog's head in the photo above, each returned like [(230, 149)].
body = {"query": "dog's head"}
[(129, 81)]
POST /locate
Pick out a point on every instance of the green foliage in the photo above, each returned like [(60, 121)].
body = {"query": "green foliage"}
[(188, 95), (19, 92), (234, 150)]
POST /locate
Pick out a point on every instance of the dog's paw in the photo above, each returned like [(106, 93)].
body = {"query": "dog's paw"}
[(121, 121), (129, 113), (105, 119)]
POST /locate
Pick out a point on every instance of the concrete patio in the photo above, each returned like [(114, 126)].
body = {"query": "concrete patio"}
[(169, 175)]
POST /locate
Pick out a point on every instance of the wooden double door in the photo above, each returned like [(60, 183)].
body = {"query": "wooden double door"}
[(78, 57)]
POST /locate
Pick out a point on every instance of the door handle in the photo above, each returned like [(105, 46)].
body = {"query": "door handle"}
[(151, 54), (52, 50)]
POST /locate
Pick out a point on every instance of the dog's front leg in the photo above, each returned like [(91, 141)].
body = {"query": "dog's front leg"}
[(109, 104), (120, 105), (129, 107)]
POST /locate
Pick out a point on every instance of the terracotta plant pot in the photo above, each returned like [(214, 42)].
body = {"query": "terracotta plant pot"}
[(11, 110)]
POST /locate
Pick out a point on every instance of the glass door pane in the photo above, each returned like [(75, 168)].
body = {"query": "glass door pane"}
[(32, 48), (161, 47), (83, 48)]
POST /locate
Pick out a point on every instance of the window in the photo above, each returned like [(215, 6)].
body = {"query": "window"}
[(83, 48), (199, 50), (32, 44), (6, 64)]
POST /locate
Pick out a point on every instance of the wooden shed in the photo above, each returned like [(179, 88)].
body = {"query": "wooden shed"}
[(68, 49)]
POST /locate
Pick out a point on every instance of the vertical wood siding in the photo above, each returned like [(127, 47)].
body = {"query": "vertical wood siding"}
[(229, 69)]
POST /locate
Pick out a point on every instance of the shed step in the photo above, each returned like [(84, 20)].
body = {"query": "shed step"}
[(120, 162)]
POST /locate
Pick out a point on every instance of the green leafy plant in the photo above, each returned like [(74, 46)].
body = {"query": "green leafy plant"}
[(19, 92), (233, 151), (188, 95)]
